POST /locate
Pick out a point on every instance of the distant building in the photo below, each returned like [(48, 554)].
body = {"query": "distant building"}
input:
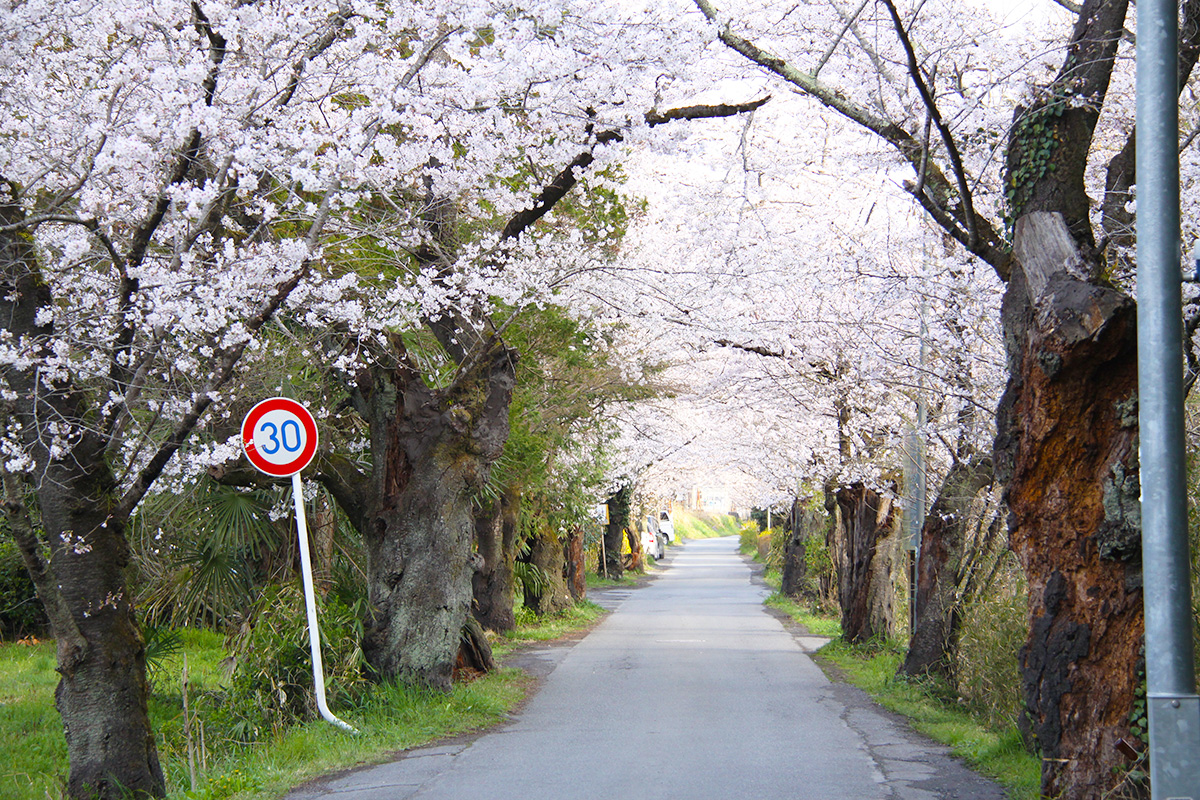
[(714, 499)]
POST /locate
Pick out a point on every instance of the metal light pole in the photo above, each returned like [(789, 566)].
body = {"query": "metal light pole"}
[(1173, 706), (915, 475)]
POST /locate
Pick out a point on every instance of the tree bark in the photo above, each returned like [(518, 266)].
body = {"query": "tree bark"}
[(492, 584), (1066, 441), (612, 565), (942, 571), (795, 566), (865, 592), (636, 560), (549, 595), (102, 694), (1067, 449), (433, 448), (474, 651), (576, 580)]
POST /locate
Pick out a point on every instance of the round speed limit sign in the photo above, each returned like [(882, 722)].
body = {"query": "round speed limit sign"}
[(279, 436)]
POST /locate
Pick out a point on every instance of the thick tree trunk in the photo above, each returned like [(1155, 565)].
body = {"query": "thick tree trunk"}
[(805, 524), (1066, 441), (102, 695), (433, 448), (636, 557), (612, 565), (865, 591), (576, 580), (795, 565), (549, 595), (495, 539), (1067, 448), (942, 571)]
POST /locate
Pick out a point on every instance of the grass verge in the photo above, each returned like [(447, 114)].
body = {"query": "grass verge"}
[(702, 525), (389, 717), (817, 624), (933, 710)]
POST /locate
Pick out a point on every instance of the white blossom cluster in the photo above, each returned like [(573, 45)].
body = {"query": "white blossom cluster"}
[(179, 162)]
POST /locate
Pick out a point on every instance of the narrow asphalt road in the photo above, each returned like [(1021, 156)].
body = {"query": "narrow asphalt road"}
[(690, 690)]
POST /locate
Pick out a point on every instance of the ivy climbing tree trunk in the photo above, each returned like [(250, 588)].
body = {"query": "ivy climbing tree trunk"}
[(1067, 432)]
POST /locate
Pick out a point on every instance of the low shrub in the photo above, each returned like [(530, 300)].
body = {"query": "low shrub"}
[(272, 684), (748, 538), (994, 627), (20, 610)]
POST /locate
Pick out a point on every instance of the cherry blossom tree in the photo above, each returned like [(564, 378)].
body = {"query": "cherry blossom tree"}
[(175, 176), (1066, 429)]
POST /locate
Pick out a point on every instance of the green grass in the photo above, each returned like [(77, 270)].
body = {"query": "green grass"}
[(999, 754), (702, 525), (532, 629), (594, 581), (817, 624), (389, 718), (34, 769)]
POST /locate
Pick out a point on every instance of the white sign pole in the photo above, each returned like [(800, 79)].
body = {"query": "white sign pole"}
[(310, 603)]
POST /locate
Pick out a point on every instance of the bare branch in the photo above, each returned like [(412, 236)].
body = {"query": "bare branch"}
[(838, 39), (426, 54), (750, 348), (566, 179), (938, 194), (337, 23), (914, 70)]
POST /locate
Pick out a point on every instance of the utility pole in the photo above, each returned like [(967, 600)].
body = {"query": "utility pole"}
[(1173, 706), (915, 469)]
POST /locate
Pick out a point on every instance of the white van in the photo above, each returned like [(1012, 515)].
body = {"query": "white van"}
[(653, 543), (666, 527)]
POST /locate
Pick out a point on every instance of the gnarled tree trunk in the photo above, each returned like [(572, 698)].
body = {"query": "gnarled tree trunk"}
[(548, 595), (795, 565), (1066, 442), (573, 553), (495, 540), (865, 591), (1067, 446), (805, 524), (944, 570), (433, 448), (612, 566)]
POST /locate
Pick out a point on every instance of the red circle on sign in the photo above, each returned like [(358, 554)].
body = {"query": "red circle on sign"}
[(279, 437)]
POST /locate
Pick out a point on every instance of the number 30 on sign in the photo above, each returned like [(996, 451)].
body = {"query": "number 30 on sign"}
[(279, 436)]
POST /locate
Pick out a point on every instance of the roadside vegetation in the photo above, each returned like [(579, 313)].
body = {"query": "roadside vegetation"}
[(705, 525), (996, 751), (206, 750), (975, 716)]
